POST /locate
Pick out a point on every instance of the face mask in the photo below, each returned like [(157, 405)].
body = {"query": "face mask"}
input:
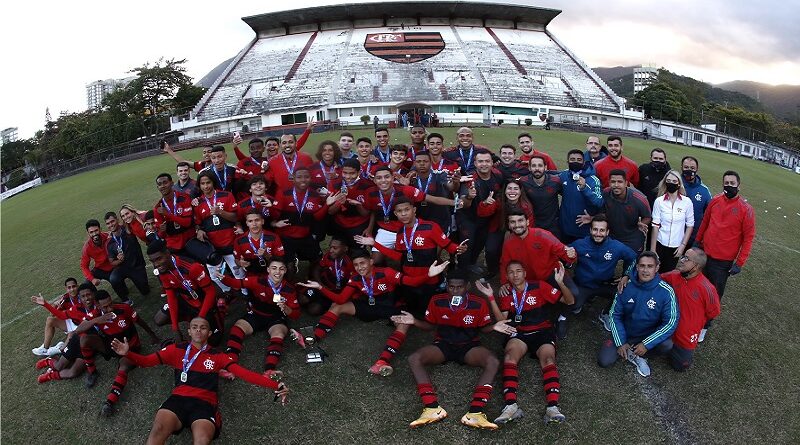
[(730, 191), (658, 165), (575, 166), (672, 188), (689, 174)]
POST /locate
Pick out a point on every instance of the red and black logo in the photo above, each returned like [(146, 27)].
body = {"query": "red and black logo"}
[(404, 47)]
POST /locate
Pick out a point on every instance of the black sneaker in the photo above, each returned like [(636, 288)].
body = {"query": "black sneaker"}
[(107, 410), (91, 379)]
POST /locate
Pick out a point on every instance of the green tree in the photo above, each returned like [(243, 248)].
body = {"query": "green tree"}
[(662, 101)]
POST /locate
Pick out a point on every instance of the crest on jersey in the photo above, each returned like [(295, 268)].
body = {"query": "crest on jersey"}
[(468, 319), (382, 287), (531, 300), (404, 47), (651, 303), (209, 364), (420, 241), (608, 256)]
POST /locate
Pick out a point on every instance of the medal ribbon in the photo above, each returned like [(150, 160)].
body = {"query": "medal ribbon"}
[(386, 208), (186, 363), (518, 304), (411, 239), (294, 164), (297, 205)]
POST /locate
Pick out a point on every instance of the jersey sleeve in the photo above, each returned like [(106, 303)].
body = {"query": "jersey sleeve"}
[(431, 314), (549, 293), (504, 303)]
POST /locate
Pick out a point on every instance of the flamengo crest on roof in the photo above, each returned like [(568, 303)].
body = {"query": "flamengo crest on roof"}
[(404, 47)]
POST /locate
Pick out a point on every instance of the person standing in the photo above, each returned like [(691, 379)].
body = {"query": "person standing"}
[(616, 161), (125, 254), (580, 194), (542, 190), (651, 174), (185, 183), (627, 210), (696, 191), (593, 152), (525, 141), (673, 220)]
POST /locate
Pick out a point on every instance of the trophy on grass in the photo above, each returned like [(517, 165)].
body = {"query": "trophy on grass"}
[(314, 352)]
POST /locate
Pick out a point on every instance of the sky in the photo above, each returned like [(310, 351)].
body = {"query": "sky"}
[(51, 50)]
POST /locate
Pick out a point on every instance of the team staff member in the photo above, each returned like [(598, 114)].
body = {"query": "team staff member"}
[(542, 189), (465, 152), (272, 303), (652, 173), (593, 152), (698, 303), (67, 301), (673, 220), (370, 295), (727, 232), (616, 161), (254, 248), (94, 250), (458, 317), (185, 183), (125, 254), (643, 318), (194, 400), (627, 211), (509, 166), (524, 310), (696, 191), (133, 221), (525, 141), (580, 194)]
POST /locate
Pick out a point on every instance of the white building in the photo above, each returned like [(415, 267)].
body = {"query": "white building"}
[(99, 89), (643, 77), (8, 135)]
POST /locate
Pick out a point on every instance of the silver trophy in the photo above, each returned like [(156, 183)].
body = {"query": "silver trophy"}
[(314, 352)]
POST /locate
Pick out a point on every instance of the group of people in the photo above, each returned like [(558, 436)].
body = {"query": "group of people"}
[(458, 240)]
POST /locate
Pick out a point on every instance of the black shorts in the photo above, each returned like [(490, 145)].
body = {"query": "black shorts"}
[(73, 350), (304, 249), (263, 322), (417, 298), (187, 313), (455, 352), (317, 297), (535, 340), (365, 312), (189, 409)]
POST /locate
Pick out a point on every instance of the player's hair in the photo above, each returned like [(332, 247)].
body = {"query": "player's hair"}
[(516, 212), (294, 138), (92, 223), (525, 135), (156, 246), (337, 152), (398, 147), (648, 254), (418, 126), (272, 138), (352, 163), (510, 263), (614, 138), (217, 149), (598, 138), (732, 173), (658, 150), (544, 161), (379, 129), (403, 200), (575, 151), (182, 164), (360, 253), (346, 134), (482, 152), (109, 215), (277, 259), (200, 318), (302, 168), (513, 148), (618, 172), (422, 153), (458, 273), (255, 180), (340, 240), (692, 158), (211, 176), (434, 135), (253, 211), (164, 175), (255, 141), (702, 258), (383, 168), (600, 217), (150, 214), (70, 279), (662, 185), (87, 285), (364, 139), (102, 294)]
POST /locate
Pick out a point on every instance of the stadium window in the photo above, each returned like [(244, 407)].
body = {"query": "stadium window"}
[(747, 149), (296, 118), (254, 124), (698, 137), (677, 133), (511, 110), (475, 109), (444, 109), (461, 109), (320, 116), (734, 145), (710, 139), (723, 142)]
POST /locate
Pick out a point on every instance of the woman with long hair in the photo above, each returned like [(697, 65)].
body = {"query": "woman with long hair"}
[(673, 220)]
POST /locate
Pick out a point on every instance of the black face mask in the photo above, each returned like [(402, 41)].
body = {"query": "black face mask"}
[(730, 191), (575, 166), (658, 165), (689, 174), (672, 187)]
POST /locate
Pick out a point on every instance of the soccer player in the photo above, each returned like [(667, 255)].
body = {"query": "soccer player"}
[(194, 400), (542, 189), (327, 172), (370, 295), (673, 220), (190, 292), (350, 215), (627, 210), (698, 303), (125, 254), (581, 194), (616, 161), (115, 321), (174, 220), (252, 163), (382, 151), (258, 201), (254, 248), (598, 255), (335, 270), (204, 162), (346, 145), (366, 159), (696, 191), (458, 317), (70, 364), (465, 153), (651, 174), (509, 166), (281, 169), (433, 183), (397, 162), (228, 176), (727, 233), (416, 247), (68, 300), (417, 136), (525, 141), (273, 145), (593, 152), (185, 183), (524, 309), (440, 164), (643, 318), (272, 303)]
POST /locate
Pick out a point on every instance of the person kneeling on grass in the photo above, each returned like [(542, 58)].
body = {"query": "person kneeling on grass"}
[(525, 309), (458, 317), (369, 296), (194, 401), (643, 317)]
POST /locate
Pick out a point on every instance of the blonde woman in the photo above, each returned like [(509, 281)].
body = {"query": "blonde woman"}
[(673, 220), (134, 221)]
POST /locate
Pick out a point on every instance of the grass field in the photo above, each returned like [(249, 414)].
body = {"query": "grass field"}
[(744, 387)]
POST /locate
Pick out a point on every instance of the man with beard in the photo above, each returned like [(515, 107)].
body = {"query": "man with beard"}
[(651, 174), (627, 211), (616, 161), (94, 250), (281, 169), (542, 190), (593, 152), (528, 151), (185, 184)]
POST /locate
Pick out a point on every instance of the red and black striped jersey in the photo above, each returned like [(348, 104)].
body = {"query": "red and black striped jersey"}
[(424, 243), (465, 158), (301, 209), (178, 282), (220, 235), (384, 216), (227, 176), (382, 282), (348, 216), (261, 295), (246, 205), (122, 326), (458, 324), (444, 165), (246, 247), (176, 225), (335, 270), (325, 175), (535, 316), (199, 166), (280, 171)]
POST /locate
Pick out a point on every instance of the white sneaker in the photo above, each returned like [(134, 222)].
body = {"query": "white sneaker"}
[(509, 413), (553, 415), (642, 367), (606, 320), (55, 349), (702, 335), (41, 350)]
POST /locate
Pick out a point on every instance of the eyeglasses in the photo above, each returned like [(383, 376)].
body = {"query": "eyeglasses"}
[(685, 258)]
